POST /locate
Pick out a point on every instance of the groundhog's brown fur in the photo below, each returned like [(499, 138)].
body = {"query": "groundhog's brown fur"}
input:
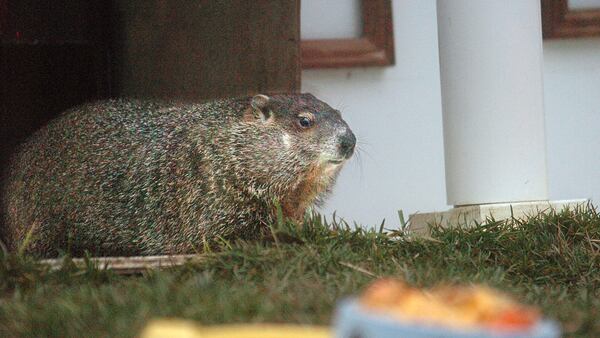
[(126, 177)]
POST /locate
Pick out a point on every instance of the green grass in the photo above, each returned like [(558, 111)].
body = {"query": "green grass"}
[(552, 261)]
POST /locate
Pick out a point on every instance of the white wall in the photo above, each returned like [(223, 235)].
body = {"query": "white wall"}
[(572, 105), (396, 114)]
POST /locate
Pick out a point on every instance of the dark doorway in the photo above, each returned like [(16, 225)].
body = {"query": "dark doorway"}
[(61, 53)]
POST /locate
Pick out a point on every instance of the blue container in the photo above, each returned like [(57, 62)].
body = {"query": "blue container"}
[(352, 321)]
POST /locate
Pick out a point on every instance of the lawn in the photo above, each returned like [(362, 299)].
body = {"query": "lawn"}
[(552, 261)]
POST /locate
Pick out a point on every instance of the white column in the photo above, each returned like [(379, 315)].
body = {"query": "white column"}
[(491, 78)]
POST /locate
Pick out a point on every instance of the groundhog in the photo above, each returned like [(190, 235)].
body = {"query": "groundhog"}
[(131, 177)]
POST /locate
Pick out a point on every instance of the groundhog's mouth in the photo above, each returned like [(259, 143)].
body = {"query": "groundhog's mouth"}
[(336, 161)]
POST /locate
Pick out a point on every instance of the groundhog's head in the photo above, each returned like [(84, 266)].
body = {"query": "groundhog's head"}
[(304, 139), (306, 125)]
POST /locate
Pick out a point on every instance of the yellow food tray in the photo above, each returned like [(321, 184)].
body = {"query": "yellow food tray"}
[(175, 328)]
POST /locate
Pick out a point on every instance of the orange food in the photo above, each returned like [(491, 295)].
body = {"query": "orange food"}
[(472, 306)]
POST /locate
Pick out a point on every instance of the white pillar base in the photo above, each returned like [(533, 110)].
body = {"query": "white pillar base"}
[(470, 215)]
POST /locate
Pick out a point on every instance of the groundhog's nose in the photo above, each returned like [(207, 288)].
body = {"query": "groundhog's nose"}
[(347, 143)]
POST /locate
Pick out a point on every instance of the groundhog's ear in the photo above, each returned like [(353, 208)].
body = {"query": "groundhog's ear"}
[(260, 108)]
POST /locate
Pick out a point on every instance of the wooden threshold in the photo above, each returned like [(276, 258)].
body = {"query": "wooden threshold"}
[(127, 265)]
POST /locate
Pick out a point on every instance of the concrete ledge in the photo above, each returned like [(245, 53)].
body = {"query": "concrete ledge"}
[(476, 214)]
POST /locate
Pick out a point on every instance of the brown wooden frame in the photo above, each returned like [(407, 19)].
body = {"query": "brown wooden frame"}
[(374, 48), (558, 21)]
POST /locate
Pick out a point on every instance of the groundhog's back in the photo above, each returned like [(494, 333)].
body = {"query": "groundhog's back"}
[(108, 163)]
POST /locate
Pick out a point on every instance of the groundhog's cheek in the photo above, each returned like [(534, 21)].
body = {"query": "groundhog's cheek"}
[(286, 140), (329, 150)]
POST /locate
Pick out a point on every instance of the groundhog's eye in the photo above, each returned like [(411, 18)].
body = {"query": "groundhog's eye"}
[(305, 121)]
